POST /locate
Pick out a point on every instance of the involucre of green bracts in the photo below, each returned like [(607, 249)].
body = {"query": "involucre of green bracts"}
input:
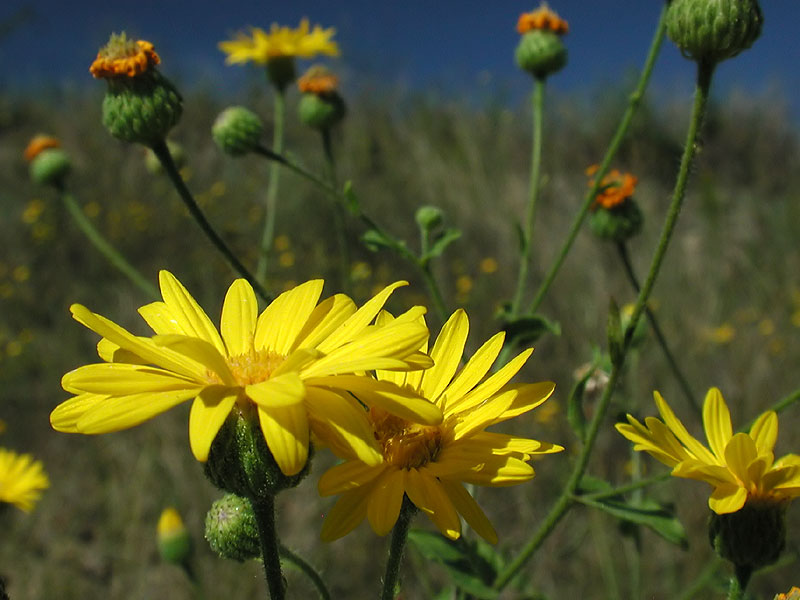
[(541, 53), (618, 223), (237, 130), (240, 461), (321, 111), (50, 167), (231, 529), (712, 30), (141, 109), (753, 536), (281, 71)]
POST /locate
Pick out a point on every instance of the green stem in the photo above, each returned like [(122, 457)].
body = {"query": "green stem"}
[(162, 152), (739, 582), (779, 406), (537, 104), (634, 101), (264, 511), (338, 213), (433, 289), (622, 250), (565, 500), (268, 235), (624, 489), (304, 567), (396, 549), (104, 246)]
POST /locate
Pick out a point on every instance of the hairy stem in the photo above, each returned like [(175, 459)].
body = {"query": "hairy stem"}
[(264, 510)]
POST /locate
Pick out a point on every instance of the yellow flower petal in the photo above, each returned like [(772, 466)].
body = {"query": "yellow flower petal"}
[(280, 323), (489, 387), (209, 411), (446, 355), (286, 432), (717, 422), (239, 314), (429, 497), (200, 351), (161, 319), (120, 379), (527, 397), (124, 412), (110, 352), (385, 501), (765, 432), (716, 475), (347, 476), (692, 445), (192, 319), (324, 319), (727, 498), (469, 509), (346, 514), (483, 415), (739, 453), (474, 370), (281, 391), (66, 415)]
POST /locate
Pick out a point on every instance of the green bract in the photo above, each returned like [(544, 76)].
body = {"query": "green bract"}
[(237, 130), (541, 53)]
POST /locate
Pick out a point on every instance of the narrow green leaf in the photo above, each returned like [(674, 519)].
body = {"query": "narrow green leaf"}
[(350, 198), (375, 240), (528, 329), (447, 237), (648, 513), (575, 415)]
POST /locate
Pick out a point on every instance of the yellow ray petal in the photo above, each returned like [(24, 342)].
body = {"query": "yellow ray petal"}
[(494, 471), (281, 391), (66, 415), (727, 498), (446, 354), (488, 388), (209, 411), (690, 442), (346, 514), (297, 361), (110, 352), (428, 496), (280, 323), (199, 351), (475, 369), (239, 314), (528, 397), (469, 509), (783, 477), (480, 417), (116, 379), (385, 395), (696, 469), (191, 317), (501, 443), (739, 453), (765, 432), (324, 319), (717, 422), (286, 431), (124, 412), (162, 320), (343, 425), (383, 506), (347, 476), (354, 324), (143, 348)]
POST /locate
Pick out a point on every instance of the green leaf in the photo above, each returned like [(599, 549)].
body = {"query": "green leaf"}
[(523, 244), (528, 329), (447, 237), (472, 566), (648, 513), (575, 415), (376, 240), (614, 332), (350, 198)]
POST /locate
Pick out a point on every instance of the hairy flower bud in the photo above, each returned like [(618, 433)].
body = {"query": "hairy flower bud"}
[(237, 130), (541, 53), (321, 111), (710, 31), (231, 528), (50, 167)]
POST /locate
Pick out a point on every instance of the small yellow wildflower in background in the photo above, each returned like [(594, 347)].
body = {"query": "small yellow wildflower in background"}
[(766, 326), (430, 463), (741, 467), (722, 334), (22, 479), (488, 265), (32, 211), (285, 365), (792, 594), (282, 243), (260, 47)]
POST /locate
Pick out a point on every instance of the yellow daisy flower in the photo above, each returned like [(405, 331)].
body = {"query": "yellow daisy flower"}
[(430, 463), (22, 479), (741, 467), (260, 47), (285, 364)]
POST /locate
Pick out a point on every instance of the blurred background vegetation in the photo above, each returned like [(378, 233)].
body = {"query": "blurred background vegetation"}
[(728, 301)]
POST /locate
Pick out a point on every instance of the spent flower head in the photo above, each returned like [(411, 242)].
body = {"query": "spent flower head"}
[(431, 463), (124, 57), (741, 467), (318, 79), (22, 479), (279, 370), (540, 51), (542, 19), (38, 144)]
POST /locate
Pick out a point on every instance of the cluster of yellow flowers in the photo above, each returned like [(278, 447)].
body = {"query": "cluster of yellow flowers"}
[(360, 381)]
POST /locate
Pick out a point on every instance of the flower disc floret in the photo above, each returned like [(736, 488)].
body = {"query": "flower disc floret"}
[(741, 467), (430, 463), (124, 57), (291, 367)]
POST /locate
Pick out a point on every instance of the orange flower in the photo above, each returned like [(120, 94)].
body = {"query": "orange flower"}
[(318, 80), (615, 188), (39, 143), (542, 18), (122, 57)]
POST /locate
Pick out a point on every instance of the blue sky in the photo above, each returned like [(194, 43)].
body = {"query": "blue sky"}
[(465, 46)]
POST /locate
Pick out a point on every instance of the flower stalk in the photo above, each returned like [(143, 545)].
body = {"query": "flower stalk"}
[(264, 511), (396, 549), (338, 211), (271, 203)]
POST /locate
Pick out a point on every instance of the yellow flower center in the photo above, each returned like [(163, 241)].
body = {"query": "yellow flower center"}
[(251, 367), (404, 444)]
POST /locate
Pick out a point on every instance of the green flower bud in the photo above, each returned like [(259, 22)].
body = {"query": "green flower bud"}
[(240, 461), (321, 111), (231, 529), (174, 542), (618, 223), (50, 167), (752, 537), (541, 53), (429, 217), (712, 30), (237, 130)]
